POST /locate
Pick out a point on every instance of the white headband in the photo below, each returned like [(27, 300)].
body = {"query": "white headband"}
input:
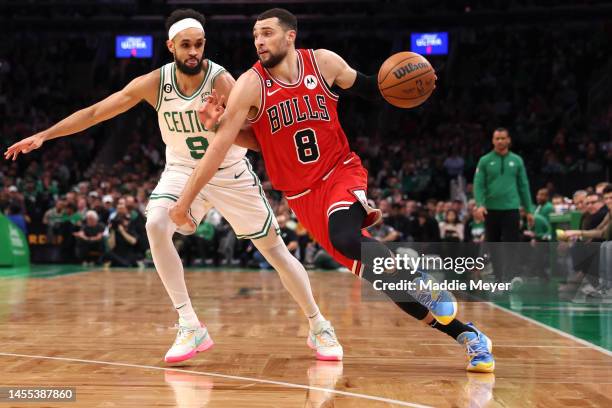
[(183, 25)]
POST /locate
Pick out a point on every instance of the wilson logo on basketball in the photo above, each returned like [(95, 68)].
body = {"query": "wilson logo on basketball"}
[(408, 68)]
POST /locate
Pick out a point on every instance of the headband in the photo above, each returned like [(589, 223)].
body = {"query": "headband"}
[(183, 25)]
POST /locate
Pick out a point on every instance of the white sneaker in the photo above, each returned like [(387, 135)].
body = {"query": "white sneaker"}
[(189, 341), (324, 341)]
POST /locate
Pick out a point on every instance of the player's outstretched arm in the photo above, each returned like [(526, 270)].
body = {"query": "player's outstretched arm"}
[(223, 86), (244, 95), (144, 87)]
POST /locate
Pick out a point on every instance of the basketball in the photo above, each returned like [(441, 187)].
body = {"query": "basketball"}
[(406, 79)]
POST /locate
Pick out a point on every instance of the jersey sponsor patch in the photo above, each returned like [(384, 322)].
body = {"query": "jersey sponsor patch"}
[(310, 81)]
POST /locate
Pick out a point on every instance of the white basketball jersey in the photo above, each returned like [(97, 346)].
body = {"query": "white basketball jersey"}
[(185, 136)]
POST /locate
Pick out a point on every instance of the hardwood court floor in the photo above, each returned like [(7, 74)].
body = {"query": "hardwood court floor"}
[(105, 333)]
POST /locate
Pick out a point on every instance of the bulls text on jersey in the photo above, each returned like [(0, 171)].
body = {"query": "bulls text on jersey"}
[(290, 111)]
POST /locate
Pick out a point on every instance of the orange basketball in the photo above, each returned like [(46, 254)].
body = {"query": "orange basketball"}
[(406, 79)]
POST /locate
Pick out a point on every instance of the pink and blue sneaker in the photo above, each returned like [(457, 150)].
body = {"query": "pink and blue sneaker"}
[(189, 341), (323, 340)]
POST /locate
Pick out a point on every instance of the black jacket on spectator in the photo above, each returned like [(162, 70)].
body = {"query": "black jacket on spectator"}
[(429, 231)]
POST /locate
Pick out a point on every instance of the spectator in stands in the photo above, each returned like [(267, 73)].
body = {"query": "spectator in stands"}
[(426, 228), (579, 200), (108, 202), (52, 219), (139, 221), (458, 207), (70, 223), (585, 257), (544, 207), (384, 232), (202, 244), (454, 164), (14, 196), (602, 232), (558, 203), (82, 207), (451, 229), (89, 239), (592, 162), (600, 187), (534, 259), (123, 240), (400, 222), (385, 208), (439, 216), (596, 209)]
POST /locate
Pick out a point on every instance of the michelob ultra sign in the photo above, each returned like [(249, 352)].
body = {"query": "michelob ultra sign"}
[(429, 43), (133, 46)]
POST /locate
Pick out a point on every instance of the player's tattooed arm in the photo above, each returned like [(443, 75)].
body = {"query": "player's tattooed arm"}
[(141, 88), (243, 97), (223, 85), (336, 71)]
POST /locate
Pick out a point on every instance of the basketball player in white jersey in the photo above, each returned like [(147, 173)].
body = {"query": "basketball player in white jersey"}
[(176, 91)]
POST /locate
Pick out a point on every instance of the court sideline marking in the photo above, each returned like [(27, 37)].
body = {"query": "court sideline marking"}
[(231, 377), (554, 330)]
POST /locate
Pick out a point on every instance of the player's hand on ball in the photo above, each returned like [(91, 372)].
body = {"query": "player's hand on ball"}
[(211, 110), (23, 146), (179, 216)]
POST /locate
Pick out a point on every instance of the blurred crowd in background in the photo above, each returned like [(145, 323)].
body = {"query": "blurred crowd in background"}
[(87, 193)]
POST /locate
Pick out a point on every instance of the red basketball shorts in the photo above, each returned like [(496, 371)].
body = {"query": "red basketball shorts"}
[(344, 185)]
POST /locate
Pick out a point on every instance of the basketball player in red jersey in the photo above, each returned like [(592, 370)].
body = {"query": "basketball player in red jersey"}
[(288, 100)]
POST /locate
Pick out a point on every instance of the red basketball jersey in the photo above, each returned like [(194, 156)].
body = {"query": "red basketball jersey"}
[(297, 127)]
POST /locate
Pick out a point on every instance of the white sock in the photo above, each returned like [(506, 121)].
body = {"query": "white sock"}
[(292, 274), (313, 320), (187, 313), (168, 263)]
